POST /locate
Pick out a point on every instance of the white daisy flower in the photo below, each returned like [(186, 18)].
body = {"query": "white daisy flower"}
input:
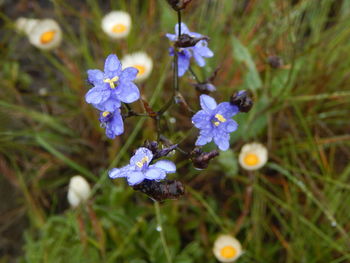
[(44, 34), (78, 191), (253, 156), (116, 24), (227, 248), (141, 61)]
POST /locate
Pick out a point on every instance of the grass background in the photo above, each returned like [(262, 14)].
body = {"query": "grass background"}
[(298, 210)]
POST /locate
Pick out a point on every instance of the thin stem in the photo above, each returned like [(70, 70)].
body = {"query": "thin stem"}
[(247, 203), (162, 237), (179, 22), (194, 75)]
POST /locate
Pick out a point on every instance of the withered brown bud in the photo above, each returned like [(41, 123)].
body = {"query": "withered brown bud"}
[(188, 41), (160, 191), (201, 159), (179, 4), (205, 87), (158, 153), (275, 61), (242, 100)]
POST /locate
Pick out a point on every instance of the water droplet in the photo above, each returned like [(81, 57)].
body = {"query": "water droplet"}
[(159, 228)]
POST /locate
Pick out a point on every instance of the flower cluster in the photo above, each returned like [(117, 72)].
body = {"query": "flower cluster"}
[(114, 86), (199, 51), (110, 88)]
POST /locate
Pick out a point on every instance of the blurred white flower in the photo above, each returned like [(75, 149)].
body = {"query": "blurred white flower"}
[(78, 191), (116, 24), (44, 33), (253, 156), (24, 25), (141, 61), (227, 248)]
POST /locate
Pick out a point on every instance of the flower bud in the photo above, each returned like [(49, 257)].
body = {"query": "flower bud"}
[(275, 61), (201, 159), (78, 191), (178, 5), (242, 100), (159, 153)]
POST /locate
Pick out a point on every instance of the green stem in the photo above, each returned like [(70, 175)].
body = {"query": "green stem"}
[(162, 237)]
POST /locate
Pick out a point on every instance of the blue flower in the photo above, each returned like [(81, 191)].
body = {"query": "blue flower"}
[(214, 122), (113, 122), (199, 51), (112, 86), (140, 168)]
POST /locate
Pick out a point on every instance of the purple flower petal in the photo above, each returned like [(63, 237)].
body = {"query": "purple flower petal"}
[(139, 155), (116, 126), (226, 109), (97, 95), (230, 126), (113, 67), (183, 62), (202, 49), (222, 140), (127, 92), (135, 177), (95, 76), (201, 119), (155, 174), (128, 74), (119, 172), (207, 103), (199, 60), (171, 37), (203, 139), (109, 105), (184, 29), (165, 165)]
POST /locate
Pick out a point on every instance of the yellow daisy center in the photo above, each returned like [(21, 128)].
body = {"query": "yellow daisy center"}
[(220, 118), (111, 81), (141, 69), (47, 37), (142, 162), (228, 252), (119, 28), (251, 159)]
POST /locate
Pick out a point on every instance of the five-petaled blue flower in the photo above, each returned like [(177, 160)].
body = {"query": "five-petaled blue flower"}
[(199, 51), (140, 168), (113, 122), (214, 122), (112, 86)]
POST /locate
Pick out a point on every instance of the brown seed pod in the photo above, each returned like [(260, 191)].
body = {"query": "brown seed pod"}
[(242, 100), (178, 4), (160, 191)]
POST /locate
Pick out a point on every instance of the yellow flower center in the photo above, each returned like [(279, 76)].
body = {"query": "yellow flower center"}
[(228, 252), (251, 159), (47, 37), (119, 28), (142, 162), (111, 82), (141, 69), (220, 118), (105, 113)]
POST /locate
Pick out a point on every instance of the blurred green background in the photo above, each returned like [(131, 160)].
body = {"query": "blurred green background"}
[(299, 208)]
